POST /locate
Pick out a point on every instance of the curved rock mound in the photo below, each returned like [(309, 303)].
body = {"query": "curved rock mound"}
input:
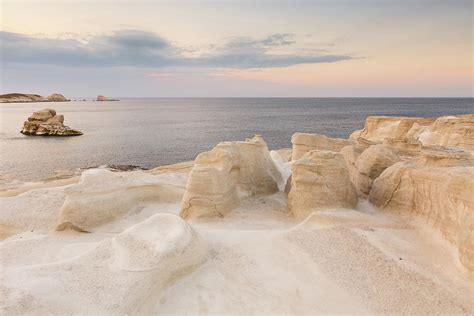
[(103, 196), (157, 243), (320, 179), (118, 276), (305, 142), (223, 176), (439, 187), (47, 123)]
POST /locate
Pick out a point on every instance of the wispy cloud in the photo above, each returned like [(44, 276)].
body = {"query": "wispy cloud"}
[(138, 48)]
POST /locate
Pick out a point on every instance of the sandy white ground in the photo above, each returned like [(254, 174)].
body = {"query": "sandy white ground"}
[(256, 260)]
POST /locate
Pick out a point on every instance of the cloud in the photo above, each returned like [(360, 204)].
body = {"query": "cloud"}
[(136, 48)]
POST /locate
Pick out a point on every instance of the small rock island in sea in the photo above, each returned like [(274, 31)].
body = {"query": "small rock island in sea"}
[(47, 123), (103, 98), (21, 98)]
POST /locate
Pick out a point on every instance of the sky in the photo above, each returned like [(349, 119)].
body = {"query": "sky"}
[(338, 48)]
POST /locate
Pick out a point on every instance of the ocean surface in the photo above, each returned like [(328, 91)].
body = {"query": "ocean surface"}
[(154, 132)]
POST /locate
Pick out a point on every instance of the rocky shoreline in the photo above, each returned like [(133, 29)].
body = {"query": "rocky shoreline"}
[(381, 222)]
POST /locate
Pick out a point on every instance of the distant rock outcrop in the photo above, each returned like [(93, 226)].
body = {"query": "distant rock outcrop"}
[(21, 98), (56, 97), (103, 98), (47, 123)]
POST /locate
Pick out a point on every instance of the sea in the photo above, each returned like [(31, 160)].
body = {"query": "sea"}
[(150, 132)]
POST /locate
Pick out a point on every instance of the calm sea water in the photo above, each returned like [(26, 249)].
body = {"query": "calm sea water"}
[(153, 132)]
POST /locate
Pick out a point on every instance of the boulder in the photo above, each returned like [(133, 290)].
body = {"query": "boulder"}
[(320, 179), (47, 123), (438, 187), (370, 164), (228, 173), (42, 115), (101, 98), (304, 142)]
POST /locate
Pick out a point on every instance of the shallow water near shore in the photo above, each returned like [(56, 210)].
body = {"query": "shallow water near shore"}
[(153, 132)]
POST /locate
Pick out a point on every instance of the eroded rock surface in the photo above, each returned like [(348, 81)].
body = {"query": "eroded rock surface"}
[(446, 131), (420, 166), (449, 131), (438, 186), (229, 172), (320, 179), (305, 142), (378, 128), (103, 196), (114, 276), (47, 123)]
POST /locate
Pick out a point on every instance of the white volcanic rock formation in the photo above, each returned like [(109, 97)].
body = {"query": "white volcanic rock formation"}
[(229, 172), (393, 162), (320, 179), (304, 142), (141, 258), (439, 187), (47, 123), (127, 269), (103, 196), (378, 128), (447, 131)]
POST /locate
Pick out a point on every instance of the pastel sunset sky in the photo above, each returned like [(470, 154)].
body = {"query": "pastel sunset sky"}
[(238, 48)]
